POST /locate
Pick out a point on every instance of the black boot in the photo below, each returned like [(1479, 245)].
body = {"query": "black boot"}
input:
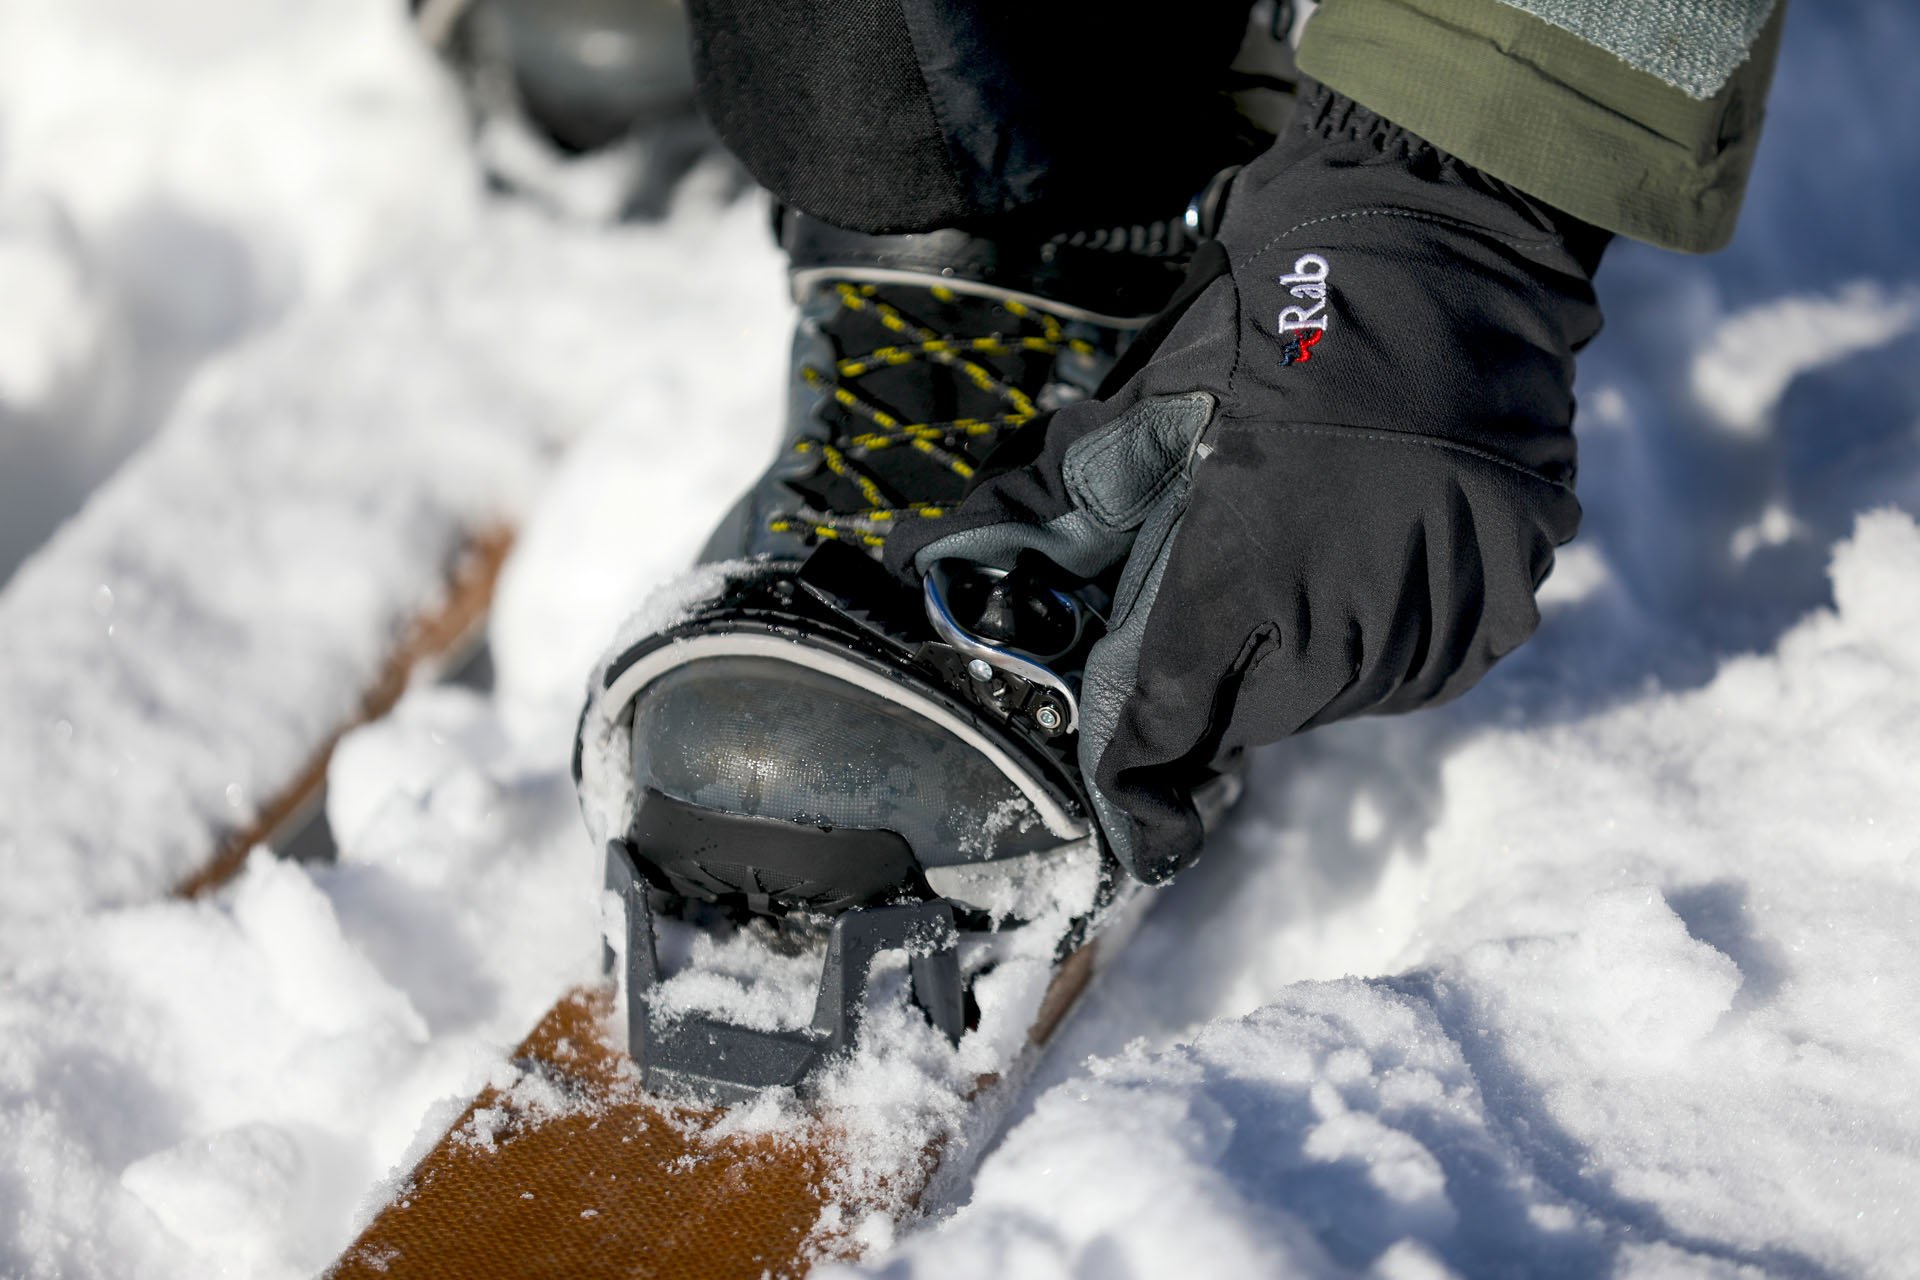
[(919, 362), (812, 737)]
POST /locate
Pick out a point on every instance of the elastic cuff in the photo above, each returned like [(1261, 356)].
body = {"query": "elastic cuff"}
[(1324, 113)]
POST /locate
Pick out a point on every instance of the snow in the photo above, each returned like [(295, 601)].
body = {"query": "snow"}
[(1609, 968), (174, 178), (241, 580), (1757, 354)]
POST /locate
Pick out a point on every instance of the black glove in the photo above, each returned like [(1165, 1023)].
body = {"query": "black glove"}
[(1336, 471)]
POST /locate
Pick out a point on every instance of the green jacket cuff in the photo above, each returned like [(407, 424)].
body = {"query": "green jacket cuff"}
[(1541, 109)]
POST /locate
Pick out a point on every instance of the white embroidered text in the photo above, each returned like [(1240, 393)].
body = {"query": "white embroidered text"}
[(1303, 325)]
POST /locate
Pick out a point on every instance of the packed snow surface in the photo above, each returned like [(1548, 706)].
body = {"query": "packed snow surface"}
[(1613, 967)]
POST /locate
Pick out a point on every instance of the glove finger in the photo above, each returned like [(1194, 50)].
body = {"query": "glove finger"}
[(1114, 479), (1031, 493), (1150, 729)]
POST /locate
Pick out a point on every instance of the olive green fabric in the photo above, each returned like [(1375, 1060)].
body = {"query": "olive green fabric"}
[(1559, 118)]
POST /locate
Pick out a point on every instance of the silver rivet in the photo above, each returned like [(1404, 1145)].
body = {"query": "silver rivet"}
[(1047, 718), (979, 670)]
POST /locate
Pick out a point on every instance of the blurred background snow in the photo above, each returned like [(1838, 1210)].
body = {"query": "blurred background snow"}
[(173, 179), (1609, 968)]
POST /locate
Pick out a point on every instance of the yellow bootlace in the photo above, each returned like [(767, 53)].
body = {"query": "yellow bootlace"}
[(939, 441)]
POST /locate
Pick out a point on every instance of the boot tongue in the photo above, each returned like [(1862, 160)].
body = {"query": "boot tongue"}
[(1118, 276)]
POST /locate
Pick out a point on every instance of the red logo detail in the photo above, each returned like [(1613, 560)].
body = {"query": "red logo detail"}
[(1298, 347)]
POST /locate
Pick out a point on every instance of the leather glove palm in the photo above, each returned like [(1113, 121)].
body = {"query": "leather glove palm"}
[(1334, 472)]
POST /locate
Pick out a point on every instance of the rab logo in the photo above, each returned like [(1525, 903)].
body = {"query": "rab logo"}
[(1300, 327)]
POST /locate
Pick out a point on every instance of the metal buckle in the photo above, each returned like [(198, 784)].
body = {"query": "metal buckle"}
[(1057, 713)]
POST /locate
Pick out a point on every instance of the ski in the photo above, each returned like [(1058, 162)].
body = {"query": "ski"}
[(446, 640), (619, 1182)]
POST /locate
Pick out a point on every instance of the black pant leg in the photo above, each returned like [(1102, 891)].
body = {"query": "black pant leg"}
[(904, 115)]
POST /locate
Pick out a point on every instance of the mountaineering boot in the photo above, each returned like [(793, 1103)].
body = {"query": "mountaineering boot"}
[(805, 735), (919, 361)]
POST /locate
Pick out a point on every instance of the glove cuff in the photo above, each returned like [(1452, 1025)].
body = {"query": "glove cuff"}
[(1324, 115)]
